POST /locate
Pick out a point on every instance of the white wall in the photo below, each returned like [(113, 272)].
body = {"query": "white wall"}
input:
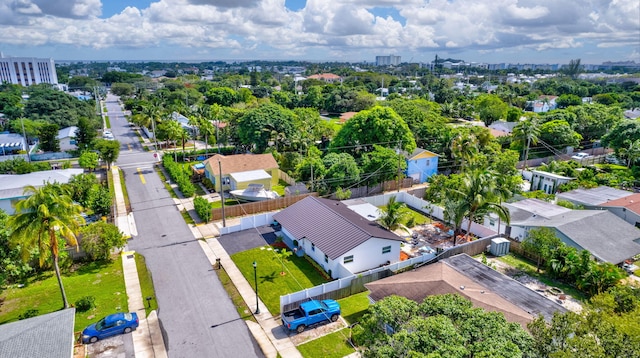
[(369, 255)]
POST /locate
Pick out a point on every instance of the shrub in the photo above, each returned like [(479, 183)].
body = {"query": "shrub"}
[(179, 176), (99, 238), (31, 312), (85, 303), (203, 208)]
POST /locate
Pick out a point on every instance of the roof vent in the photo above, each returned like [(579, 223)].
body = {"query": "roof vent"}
[(462, 287)]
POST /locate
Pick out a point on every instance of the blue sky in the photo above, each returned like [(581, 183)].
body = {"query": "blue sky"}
[(515, 31)]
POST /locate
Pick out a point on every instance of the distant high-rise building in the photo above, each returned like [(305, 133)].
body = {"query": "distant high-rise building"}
[(27, 71), (387, 60)]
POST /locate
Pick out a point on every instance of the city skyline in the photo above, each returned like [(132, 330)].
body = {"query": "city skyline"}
[(512, 31)]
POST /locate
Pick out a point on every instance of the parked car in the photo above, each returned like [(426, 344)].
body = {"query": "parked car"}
[(580, 156), (309, 313), (111, 325), (612, 159)]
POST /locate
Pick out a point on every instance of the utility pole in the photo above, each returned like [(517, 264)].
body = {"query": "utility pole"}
[(26, 140), (398, 151), (224, 222), (312, 177)]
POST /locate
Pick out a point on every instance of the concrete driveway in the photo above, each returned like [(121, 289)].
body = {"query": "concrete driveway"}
[(247, 239)]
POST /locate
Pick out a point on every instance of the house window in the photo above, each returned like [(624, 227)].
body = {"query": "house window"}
[(428, 162), (313, 247), (326, 258), (492, 222), (386, 249), (348, 259)]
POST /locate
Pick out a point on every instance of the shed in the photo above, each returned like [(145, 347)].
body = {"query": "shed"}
[(241, 180)]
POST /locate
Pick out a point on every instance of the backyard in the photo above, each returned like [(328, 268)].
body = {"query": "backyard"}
[(103, 281)]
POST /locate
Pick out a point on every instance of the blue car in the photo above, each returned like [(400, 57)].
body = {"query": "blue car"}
[(111, 325)]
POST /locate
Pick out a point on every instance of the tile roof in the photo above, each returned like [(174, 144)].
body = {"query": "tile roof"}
[(330, 225), (483, 286), (240, 163), (50, 335)]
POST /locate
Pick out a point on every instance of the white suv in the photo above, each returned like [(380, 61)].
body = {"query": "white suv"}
[(580, 156)]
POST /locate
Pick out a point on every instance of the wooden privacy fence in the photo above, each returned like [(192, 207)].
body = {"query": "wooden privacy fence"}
[(258, 207)]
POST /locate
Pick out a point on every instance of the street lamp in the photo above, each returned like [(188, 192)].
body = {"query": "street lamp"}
[(255, 278)]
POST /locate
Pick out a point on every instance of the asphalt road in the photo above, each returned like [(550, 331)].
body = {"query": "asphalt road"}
[(197, 317)]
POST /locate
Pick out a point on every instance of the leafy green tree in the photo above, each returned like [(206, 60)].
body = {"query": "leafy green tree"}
[(490, 108), (559, 134), (80, 186), (99, 238), (264, 123), (12, 267), (567, 100), (48, 141), (56, 107), (223, 96), (342, 171), (88, 160), (383, 164), (108, 150), (379, 125), (620, 133), (440, 326), (122, 89), (541, 242), (100, 200), (45, 216), (592, 121), (85, 134)]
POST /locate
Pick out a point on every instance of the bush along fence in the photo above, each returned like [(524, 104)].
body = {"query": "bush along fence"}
[(203, 208), (179, 175)]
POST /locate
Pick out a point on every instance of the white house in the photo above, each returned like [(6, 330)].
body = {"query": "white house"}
[(67, 138), (339, 239), (547, 182), (12, 186)]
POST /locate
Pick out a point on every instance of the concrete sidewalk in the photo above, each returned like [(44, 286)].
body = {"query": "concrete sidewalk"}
[(147, 339)]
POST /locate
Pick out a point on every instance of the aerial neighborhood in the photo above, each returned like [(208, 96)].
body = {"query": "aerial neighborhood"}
[(297, 209)]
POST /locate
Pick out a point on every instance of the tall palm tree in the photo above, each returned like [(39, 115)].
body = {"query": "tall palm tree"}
[(528, 132), (480, 193), (454, 212), (463, 147), (45, 216), (631, 151)]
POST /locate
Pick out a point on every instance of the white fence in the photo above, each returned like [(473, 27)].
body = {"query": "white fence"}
[(249, 222)]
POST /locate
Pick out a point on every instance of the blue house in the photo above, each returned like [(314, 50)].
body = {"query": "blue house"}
[(421, 164)]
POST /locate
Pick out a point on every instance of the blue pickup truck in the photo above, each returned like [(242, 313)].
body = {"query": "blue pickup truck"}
[(311, 312)]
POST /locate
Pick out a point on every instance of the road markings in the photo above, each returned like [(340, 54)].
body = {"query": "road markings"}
[(141, 176)]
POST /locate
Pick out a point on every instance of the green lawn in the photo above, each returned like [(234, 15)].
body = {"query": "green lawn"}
[(334, 345), (107, 121), (354, 307), (529, 268), (104, 281), (300, 274), (146, 284), (418, 218), (124, 190)]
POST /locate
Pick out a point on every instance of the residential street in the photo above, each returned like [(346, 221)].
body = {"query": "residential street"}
[(196, 315)]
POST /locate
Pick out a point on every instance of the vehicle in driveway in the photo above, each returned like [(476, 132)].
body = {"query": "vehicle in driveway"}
[(111, 325), (309, 313), (580, 156)]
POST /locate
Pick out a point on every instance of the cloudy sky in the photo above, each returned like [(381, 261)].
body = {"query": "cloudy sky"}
[(517, 31)]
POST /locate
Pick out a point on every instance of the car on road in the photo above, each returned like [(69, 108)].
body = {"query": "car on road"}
[(111, 325), (580, 156)]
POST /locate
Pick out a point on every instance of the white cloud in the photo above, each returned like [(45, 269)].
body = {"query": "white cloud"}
[(339, 27)]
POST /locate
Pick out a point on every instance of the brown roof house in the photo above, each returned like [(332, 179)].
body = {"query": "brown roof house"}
[(327, 77), (240, 170), (339, 239), (485, 287)]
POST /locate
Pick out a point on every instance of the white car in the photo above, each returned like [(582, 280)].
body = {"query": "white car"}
[(580, 156)]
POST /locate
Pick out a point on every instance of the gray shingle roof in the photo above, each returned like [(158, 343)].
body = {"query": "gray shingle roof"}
[(49, 335), (330, 225), (608, 237)]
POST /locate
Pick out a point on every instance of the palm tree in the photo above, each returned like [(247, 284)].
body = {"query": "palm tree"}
[(46, 215), (464, 146), (454, 212), (527, 131), (480, 193), (392, 215), (631, 151)]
